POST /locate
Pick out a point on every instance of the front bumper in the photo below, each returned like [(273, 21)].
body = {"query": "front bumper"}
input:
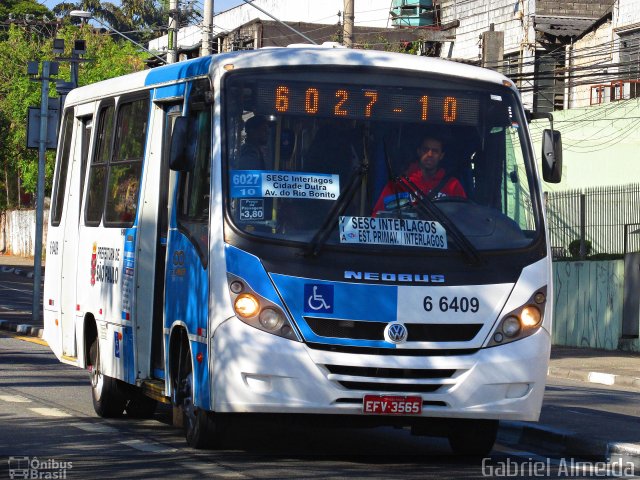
[(257, 372)]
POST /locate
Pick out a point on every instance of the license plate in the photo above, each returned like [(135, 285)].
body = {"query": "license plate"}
[(391, 405)]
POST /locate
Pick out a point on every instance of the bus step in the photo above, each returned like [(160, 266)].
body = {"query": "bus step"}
[(155, 389)]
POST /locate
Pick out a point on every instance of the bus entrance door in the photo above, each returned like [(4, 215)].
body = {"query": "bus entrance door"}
[(69, 258)]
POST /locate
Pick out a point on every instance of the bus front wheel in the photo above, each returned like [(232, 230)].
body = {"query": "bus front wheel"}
[(473, 437), (108, 397), (201, 428)]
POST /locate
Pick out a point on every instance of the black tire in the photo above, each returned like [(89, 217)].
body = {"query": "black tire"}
[(201, 428), (474, 438), (108, 396), (140, 406)]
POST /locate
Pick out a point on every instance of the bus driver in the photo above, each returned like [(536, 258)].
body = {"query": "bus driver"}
[(426, 174)]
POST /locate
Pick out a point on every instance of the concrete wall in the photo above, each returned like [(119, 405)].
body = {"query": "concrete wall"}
[(18, 232), (600, 144), (595, 47), (573, 8), (626, 14), (588, 304), (475, 16)]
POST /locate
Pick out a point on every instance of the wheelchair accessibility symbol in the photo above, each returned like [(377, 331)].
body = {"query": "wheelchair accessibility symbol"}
[(318, 298)]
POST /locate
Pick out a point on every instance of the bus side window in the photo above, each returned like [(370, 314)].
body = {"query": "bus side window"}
[(193, 189), (63, 167), (126, 164), (99, 165)]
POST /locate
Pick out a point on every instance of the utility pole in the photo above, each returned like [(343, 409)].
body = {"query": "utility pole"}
[(207, 24), (172, 52), (348, 23), (493, 49), (48, 68)]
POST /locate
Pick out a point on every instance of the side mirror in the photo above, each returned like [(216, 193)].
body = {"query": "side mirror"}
[(181, 156), (551, 156)]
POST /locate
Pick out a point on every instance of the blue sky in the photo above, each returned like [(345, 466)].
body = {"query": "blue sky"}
[(218, 5)]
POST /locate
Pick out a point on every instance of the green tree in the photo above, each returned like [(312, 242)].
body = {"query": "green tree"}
[(136, 18), (109, 58), (20, 8)]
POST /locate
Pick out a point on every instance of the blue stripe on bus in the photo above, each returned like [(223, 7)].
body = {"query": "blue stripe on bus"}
[(202, 396), (186, 300), (127, 353), (374, 303), (170, 91), (177, 71), (346, 301), (249, 268)]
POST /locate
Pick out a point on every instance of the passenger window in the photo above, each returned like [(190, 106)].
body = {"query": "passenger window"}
[(99, 165), (126, 166), (63, 167), (116, 167), (193, 192)]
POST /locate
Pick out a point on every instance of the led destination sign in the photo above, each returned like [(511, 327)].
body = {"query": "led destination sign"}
[(363, 102)]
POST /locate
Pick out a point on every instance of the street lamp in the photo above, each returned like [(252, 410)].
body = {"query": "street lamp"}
[(89, 16)]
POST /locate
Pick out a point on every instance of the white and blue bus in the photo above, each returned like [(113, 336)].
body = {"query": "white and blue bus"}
[(191, 264)]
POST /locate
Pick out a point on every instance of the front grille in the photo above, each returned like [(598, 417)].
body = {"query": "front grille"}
[(329, 327), (389, 387), (417, 332), (413, 373), (409, 352)]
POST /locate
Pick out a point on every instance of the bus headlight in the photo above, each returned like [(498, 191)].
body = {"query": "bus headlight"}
[(521, 322), (511, 326), (257, 311), (246, 305), (531, 316), (271, 319)]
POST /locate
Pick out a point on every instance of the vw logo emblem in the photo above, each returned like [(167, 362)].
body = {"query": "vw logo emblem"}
[(395, 333)]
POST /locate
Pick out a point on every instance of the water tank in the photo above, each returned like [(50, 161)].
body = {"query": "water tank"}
[(412, 13)]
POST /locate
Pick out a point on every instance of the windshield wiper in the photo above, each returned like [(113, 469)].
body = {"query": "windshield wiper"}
[(321, 236), (426, 205)]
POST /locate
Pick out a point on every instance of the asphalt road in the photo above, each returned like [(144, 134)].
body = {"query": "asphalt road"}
[(16, 297), (46, 414), (46, 417)]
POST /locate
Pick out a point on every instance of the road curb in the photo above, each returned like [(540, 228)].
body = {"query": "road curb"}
[(595, 377), (563, 442), (21, 271), (21, 328)]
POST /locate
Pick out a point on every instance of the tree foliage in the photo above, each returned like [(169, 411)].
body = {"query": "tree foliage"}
[(108, 58), (21, 8), (138, 19)]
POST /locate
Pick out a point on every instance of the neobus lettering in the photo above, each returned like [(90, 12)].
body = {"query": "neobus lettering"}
[(394, 277)]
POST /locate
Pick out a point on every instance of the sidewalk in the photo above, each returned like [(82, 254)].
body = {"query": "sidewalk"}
[(571, 422), (603, 424), (19, 265)]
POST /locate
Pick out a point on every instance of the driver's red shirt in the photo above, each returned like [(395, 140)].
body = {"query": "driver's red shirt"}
[(450, 189)]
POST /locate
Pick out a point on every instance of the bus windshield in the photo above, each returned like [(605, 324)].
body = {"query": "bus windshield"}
[(346, 159)]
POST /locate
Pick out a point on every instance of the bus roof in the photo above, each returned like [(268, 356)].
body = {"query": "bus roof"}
[(341, 56), (277, 57)]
